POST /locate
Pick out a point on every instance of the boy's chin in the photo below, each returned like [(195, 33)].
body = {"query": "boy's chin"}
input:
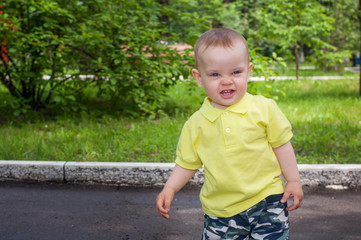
[(220, 105)]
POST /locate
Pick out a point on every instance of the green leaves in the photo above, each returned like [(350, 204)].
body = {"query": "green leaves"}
[(122, 49), (115, 43)]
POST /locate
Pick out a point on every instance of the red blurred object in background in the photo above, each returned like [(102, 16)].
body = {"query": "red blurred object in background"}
[(3, 50)]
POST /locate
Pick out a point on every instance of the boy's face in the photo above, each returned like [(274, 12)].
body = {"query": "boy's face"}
[(224, 73)]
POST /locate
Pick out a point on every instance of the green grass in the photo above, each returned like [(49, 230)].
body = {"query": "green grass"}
[(82, 140), (325, 116), (311, 72), (290, 70)]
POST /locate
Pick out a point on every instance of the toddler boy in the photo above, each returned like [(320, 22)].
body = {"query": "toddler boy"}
[(243, 142)]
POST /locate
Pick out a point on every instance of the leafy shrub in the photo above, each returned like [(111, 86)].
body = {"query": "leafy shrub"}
[(112, 45)]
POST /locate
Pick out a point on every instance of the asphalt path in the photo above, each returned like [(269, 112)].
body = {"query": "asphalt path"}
[(63, 211)]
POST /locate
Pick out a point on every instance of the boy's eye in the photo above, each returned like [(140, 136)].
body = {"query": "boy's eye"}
[(214, 74), (236, 72)]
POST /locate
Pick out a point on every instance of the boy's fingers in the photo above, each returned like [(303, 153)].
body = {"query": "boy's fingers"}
[(292, 207), (160, 203), (167, 203), (297, 202), (165, 215), (163, 212), (285, 197), (163, 206)]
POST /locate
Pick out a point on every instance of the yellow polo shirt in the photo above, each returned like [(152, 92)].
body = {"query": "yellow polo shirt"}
[(235, 147)]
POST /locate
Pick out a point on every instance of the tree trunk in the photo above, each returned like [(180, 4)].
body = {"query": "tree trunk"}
[(302, 54), (297, 59), (359, 18), (296, 43)]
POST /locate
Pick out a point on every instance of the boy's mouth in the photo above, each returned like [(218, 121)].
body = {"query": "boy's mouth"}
[(227, 92)]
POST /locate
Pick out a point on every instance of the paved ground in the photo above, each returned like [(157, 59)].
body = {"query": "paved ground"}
[(57, 211)]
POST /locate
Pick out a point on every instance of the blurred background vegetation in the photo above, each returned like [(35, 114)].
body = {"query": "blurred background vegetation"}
[(124, 51), (109, 80)]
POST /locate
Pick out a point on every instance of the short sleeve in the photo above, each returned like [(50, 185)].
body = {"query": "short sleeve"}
[(279, 130), (186, 155)]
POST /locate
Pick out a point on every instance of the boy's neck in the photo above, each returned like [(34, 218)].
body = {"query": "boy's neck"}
[(223, 107), (218, 105)]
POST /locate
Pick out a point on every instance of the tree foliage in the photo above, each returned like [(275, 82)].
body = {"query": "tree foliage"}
[(188, 19), (292, 23), (121, 49), (112, 45), (343, 37)]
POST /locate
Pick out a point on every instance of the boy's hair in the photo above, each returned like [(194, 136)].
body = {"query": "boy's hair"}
[(223, 37)]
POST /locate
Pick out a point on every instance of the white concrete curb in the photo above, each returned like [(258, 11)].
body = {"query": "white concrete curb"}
[(153, 174), (330, 174), (32, 171), (123, 174)]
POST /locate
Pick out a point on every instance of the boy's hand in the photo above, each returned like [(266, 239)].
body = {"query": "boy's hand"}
[(293, 189), (179, 177), (164, 201)]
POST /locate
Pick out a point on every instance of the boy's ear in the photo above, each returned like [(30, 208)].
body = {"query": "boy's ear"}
[(250, 66), (197, 77)]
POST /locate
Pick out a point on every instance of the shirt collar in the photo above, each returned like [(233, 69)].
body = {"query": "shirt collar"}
[(212, 113)]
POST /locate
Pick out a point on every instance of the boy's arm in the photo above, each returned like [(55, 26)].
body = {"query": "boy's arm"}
[(287, 160), (179, 177)]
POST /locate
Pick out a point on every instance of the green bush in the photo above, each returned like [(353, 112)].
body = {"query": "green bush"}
[(112, 45)]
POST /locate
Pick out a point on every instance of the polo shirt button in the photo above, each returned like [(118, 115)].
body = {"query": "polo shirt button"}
[(228, 130), (225, 114)]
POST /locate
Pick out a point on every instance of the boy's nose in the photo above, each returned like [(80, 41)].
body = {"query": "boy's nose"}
[(227, 80)]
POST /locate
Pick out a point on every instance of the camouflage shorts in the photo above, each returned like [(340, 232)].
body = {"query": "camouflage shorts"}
[(267, 219)]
